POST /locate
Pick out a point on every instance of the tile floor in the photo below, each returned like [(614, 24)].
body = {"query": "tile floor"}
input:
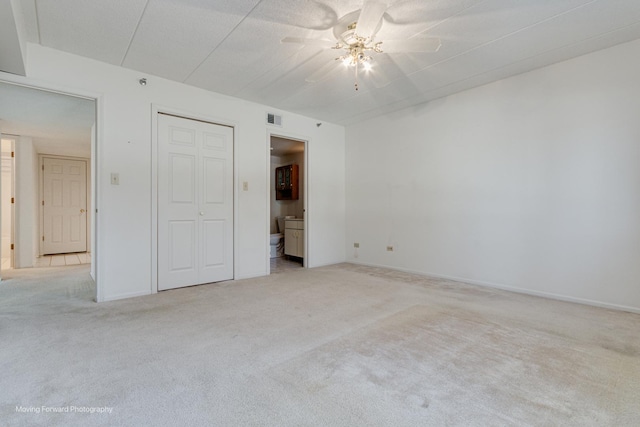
[(284, 264), (63, 259)]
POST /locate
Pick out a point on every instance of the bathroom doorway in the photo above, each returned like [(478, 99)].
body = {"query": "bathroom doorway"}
[(287, 222)]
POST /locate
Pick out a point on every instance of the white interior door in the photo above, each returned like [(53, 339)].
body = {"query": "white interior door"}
[(64, 211), (195, 202)]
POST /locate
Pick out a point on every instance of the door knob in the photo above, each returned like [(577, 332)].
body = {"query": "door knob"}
[(201, 213), (81, 210)]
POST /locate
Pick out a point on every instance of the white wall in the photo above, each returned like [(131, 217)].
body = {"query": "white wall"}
[(12, 57), (124, 146), (26, 223), (530, 183), (80, 149)]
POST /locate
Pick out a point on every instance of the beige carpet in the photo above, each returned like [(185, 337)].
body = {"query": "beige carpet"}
[(344, 345)]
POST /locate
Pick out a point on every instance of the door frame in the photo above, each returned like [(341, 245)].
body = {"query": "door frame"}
[(12, 207), (305, 203), (189, 115), (95, 164), (41, 195)]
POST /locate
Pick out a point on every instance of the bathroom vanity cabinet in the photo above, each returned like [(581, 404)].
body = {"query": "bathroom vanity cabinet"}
[(294, 237), (287, 182)]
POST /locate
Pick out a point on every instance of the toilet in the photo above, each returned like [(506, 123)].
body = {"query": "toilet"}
[(276, 245), (276, 241)]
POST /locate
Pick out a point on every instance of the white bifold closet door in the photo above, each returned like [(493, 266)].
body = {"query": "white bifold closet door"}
[(195, 202)]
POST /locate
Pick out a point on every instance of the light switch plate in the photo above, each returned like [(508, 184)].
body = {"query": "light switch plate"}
[(115, 178)]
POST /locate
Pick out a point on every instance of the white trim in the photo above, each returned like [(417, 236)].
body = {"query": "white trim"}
[(249, 276), (96, 160), (154, 199), (92, 201), (306, 261), (549, 295), (330, 263), (267, 219), (155, 110), (46, 86), (125, 296), (12, 207)]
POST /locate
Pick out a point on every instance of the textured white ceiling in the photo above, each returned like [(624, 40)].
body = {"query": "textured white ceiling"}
[(57, 124), (233, 46)]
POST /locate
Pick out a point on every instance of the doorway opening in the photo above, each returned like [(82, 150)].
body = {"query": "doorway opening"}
[(287, 200), (44, 123)]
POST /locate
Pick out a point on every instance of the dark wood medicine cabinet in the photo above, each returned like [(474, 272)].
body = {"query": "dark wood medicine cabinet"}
[(287, 182)]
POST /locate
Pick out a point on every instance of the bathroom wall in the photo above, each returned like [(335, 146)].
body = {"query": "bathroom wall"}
[(286, 207)]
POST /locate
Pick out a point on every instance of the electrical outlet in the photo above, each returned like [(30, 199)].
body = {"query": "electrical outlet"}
[(356, 245), (389, 248)]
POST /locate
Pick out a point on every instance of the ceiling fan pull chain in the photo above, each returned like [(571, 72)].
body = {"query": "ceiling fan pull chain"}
[(356, 74)]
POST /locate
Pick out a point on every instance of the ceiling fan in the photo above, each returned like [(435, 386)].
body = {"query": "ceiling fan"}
[(355, 35)]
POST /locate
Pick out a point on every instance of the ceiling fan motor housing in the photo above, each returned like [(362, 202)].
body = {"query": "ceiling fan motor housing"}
[(349, 37)]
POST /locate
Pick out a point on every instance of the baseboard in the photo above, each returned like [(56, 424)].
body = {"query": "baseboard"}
[(125, 296), (326, 264), (250, 275), (558, 297)]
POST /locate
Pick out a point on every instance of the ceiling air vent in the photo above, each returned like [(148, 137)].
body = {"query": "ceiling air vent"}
[(274, 119)]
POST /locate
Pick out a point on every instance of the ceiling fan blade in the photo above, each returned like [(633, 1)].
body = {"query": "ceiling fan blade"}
[(323, 72), (309, 42), (370, 18), (411, 45)]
